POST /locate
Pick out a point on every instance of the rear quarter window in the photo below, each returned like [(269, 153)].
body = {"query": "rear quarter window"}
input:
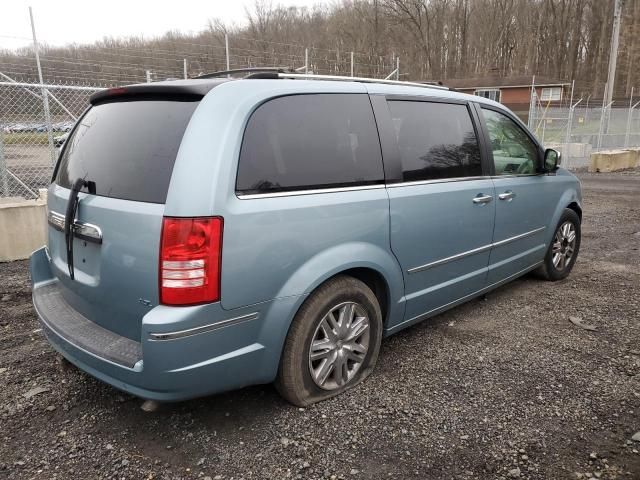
[(128, 148), (310, 141)]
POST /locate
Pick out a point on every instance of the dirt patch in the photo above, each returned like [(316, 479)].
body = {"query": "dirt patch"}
[(505, 387)]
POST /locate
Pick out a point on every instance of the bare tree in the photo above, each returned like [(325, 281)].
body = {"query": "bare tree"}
[(435, 40)]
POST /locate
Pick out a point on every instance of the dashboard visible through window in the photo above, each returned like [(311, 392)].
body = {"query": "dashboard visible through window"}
[(513, 151)]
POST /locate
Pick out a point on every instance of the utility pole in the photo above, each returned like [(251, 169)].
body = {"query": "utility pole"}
[(613, 53), (45, 93)]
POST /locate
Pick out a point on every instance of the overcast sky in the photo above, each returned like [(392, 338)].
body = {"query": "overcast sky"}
[(83, 21)]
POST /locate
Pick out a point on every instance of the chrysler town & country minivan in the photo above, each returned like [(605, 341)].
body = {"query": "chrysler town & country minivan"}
[(208, 234)]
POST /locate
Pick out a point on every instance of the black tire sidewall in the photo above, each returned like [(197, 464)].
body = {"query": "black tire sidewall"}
[(296, 356)]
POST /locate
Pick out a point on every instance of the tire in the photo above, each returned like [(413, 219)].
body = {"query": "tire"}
[(562, 249), (300, 377)]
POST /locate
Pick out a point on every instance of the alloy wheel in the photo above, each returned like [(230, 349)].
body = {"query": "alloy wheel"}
[(339, 345), (564, 245)]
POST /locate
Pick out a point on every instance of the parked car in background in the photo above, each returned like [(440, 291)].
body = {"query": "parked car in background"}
[(58, 141), (210, 234)]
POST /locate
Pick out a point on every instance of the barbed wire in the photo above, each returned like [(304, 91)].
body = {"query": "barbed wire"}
[(158, 59)]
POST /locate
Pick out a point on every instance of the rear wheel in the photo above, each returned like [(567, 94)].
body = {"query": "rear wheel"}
[(333, 343), (563, 251)]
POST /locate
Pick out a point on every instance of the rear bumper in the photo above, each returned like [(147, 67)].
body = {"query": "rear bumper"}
[(182, 353), (59, 319)]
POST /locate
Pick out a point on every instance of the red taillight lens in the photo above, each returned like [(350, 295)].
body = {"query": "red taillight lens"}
[(190, 257)]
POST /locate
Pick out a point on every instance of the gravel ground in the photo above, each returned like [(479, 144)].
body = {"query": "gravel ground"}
[(504, 387)]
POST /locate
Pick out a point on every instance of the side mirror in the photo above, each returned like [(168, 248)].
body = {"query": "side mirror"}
[(551, 160)]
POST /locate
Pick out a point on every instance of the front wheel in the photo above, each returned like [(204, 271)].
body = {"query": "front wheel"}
[(333, 343), (563, 251)]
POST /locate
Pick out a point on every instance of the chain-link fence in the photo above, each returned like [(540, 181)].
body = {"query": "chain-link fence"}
[(584, 128), (34, 122)]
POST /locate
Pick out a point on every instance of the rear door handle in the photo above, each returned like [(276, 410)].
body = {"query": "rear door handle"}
[(482, 198), (508, 195)]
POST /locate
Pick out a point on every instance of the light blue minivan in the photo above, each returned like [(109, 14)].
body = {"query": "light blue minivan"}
[(218, 232)]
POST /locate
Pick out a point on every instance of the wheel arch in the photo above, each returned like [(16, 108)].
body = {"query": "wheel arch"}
[(571, 200), (373, 279), (575, 206), (369, 263)]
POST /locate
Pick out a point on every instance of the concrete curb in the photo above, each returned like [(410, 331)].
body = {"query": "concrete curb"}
[(23, 226), (612, 160)]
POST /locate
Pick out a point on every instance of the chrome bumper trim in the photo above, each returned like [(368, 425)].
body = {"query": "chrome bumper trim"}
[(203, 329)]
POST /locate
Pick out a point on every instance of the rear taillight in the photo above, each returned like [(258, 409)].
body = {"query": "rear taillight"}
[(190, 257)]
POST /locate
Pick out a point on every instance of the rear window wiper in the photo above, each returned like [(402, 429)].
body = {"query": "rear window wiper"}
[(70, 217)]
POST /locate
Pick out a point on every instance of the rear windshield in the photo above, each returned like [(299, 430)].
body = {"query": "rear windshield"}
[(127, 148)]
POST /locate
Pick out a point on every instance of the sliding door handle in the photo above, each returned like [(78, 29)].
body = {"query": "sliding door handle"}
[(482, 198), (508, 196)]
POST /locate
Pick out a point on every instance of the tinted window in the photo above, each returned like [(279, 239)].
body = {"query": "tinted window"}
[(513, 150), (310, 141), (127, 148), (436, 140)]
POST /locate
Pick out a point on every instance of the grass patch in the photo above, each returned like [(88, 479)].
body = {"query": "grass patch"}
[(27, 138)]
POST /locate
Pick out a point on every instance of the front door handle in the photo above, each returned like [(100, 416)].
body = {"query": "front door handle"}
[(482, 198), (508, 196)]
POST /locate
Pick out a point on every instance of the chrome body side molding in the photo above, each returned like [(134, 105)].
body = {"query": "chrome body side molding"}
[(460, 300), (484, 248), (315, 191)]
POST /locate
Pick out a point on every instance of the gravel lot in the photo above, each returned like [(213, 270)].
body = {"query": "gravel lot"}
[(503, 387)]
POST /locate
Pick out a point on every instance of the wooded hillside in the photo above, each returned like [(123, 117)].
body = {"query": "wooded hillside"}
[(435, 40)]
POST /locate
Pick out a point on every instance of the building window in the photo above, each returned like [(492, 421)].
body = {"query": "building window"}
[(490, 93), (552, 94)]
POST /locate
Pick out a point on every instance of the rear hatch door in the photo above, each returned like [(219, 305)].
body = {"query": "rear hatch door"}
[(123, 150)]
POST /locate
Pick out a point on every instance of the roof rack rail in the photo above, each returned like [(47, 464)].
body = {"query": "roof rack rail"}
[(249, 70), (310, 76)]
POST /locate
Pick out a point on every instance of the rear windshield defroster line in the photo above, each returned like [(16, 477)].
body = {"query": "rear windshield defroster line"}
[(128, 148)]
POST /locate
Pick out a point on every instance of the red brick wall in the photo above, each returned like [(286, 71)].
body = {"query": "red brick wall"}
[(518, 95), (516, 99)]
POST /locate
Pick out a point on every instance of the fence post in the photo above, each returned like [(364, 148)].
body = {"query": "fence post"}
[(629, 119), (567, 140), (184, 68), (352, 64), (572, 109), (226, 49), (603, 122), (306, 60), (629, 114), (532, 105), (397, 68), (45, 95), (148, 76), (4, 178)]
